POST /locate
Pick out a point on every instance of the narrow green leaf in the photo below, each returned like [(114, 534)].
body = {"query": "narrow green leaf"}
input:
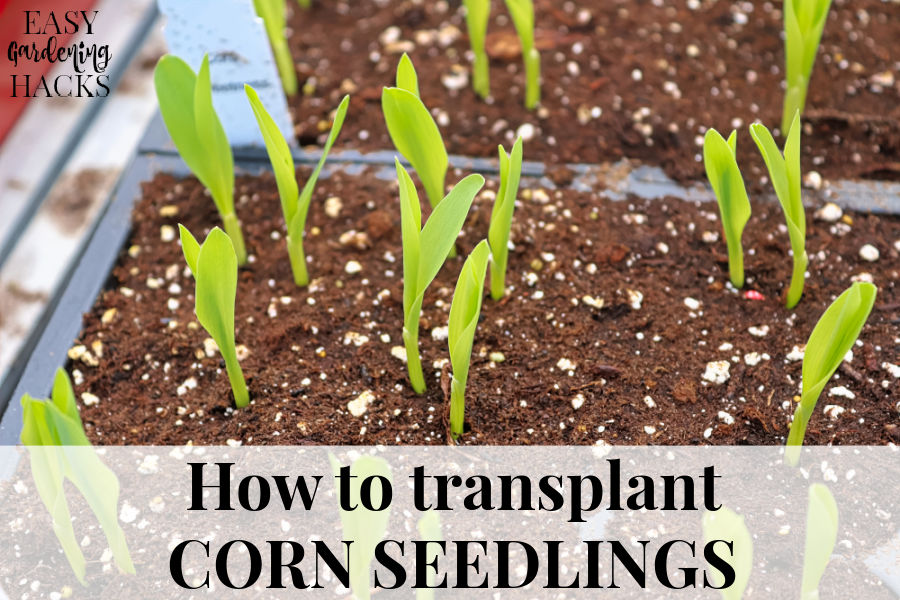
[(174, 82), (728, 184), (410, 230), (821, 535), (501, 215), (189, 247), (443, 226), (364, 527), (804, 21), (725, 524), (298, 223), (216, 278), (215, 144), (477, 15), (406, 76), (834, 334), (279, 155), (417, 137), (522, 13), (465, 310), (429, 527), (63, 396)]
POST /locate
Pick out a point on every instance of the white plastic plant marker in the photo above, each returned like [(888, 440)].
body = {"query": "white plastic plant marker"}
[(239, 53)]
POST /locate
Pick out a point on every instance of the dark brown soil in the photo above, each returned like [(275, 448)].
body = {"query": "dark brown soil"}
[(639, 371), (660, 72)]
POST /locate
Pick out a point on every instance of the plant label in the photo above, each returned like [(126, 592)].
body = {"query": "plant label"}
[(239, 52)]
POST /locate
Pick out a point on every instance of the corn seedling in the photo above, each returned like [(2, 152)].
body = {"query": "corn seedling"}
[(831, 338), (821, 535), (294, 203), (429, 527), (477, 14), (784, 171), (214, 267), (414, 133), (522, 13), (305, 4), (363, 527), (47, 425), (723, 173), (465, 309), (804, 21), (185, 101), (725, 524), (424, 251), (272, 12), (501, 216)]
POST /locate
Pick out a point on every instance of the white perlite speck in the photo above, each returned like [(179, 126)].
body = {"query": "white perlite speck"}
[(333, 206), (869, 253), (439, 334), (89, 399), (717, 371), (578, 401), (357, 339), (635, 299), (565, 364), (830, 213), (751, 359), (761, 331), (842, 392), (352, 267), (360, 404), (128, 513), (649, 429), (189, 384), (726, 417), (891, 368), (795, 354), (399, 352), (833, 411), (526, 131), (692, 303)]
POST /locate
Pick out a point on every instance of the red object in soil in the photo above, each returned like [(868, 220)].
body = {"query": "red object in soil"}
[(12, 28), (753, 295)]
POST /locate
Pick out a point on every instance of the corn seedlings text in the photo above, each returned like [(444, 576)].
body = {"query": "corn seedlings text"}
[(501, 216), (784, 171), (294, 203), (831, 338), (734, 206), (185, 101), (214, 267), (465, 309), (424, 251)]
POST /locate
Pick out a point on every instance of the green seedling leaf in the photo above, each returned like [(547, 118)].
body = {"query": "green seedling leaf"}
[(477, 14), (305, 4), (185, 101), (821, 535), (272, 12), (804, 21), (831, 338), (414, 132), (214, 266), (58, 449), (723, 173), (363, 526), (294, 203), (725, 524), (522, 13), (424, 251), (429, 527), (464, 312), (501, 216), (784, 171), (406, 76)]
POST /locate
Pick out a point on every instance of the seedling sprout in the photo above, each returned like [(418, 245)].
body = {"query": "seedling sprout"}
[(272, 12), (477, 14), (46, 426), (185, 101), (804, 21), (734, 206), (294, 203), (501, 216), (522, 13), (725, 524), (831, 339), (465, 309), (424, 251), (214, 266), (821, 536), (784, 171)]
